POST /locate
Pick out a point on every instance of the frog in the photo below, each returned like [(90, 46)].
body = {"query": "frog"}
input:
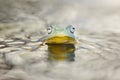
[(58, 35)]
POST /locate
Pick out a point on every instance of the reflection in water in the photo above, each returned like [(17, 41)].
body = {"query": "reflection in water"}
[(61, 52)]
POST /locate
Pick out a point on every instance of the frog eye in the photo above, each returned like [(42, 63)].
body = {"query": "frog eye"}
[(49, 29), (72, 29)]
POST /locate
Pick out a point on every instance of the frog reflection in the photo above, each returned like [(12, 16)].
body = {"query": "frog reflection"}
[(61, 52)]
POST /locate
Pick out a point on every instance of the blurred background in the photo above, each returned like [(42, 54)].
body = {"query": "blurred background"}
[(95, 15)]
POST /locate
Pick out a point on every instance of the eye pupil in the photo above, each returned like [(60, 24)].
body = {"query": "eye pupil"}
[(72, 29), (49, 30)]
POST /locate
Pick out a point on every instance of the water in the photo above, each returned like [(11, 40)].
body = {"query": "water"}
[(95, 56)]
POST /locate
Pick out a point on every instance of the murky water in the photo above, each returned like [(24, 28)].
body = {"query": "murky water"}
[(95, 56)]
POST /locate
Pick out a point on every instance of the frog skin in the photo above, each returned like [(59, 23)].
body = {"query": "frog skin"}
[(57, 35)]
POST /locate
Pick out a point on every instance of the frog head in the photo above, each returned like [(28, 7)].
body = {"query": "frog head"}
[(57, 35)]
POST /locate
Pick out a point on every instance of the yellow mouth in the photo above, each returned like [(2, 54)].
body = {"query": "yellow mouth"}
[(60, 40)]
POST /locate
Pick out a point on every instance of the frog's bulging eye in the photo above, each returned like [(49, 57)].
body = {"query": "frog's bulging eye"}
[(72, 29), (49, 29)]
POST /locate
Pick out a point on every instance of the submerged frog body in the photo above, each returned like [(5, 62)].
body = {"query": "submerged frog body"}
[(58, 35)]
